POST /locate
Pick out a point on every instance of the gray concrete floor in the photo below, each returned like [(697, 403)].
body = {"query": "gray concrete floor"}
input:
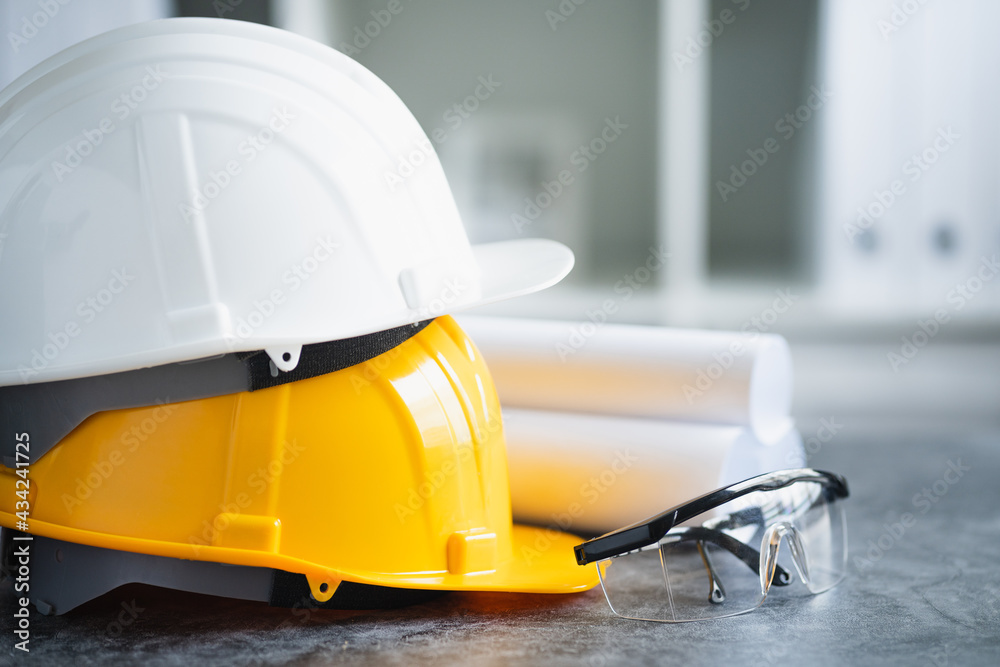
[(928, 596)]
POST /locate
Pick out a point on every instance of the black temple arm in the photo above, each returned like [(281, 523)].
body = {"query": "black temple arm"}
[(743, 551)]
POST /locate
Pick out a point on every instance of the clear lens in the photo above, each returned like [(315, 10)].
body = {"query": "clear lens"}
[(710, 567), (824, 536)]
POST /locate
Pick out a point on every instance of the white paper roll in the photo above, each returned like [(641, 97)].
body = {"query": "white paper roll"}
[(593, 474), (742, 379)]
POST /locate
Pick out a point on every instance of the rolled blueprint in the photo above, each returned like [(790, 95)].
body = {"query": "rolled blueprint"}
[(735, 378), (594, 474)]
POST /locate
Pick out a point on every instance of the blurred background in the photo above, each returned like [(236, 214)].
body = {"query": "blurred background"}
[(823, 169)]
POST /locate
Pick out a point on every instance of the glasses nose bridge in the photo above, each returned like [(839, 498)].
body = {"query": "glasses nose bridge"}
[(769, 546)]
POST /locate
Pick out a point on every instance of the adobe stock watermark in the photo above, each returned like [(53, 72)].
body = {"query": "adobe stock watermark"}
[(292, 279), (964, 292), (786, 127), (580, 160), (562, 12), (451, 291), (435, 480), (923, 502), (724, 359), (602, 656), (958, 296), (257, 482), (127, 615), (88, 310), (625, 288), (32, 24), (899, 16), (589, 493), (19, 564), (248, 150), (913, 168), (223, 7), (940, 655), (825, 433), (362, 35), (366, 373), (91, 479), (931, 495), (697, 44), (459, 112), (78, 149), (302, 610), (455, 116)]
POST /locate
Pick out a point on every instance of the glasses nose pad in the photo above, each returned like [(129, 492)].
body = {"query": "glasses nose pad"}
[(769, 554)]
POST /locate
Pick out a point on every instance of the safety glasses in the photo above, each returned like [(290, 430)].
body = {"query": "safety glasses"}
[(720, 554)]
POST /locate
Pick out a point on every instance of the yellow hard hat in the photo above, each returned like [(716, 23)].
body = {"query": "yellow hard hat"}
[(392, 472)]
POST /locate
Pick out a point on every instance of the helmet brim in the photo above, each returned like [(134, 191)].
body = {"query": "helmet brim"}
[(519, 267), (541, 561)]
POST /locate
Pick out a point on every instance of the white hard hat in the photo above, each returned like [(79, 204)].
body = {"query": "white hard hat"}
[(190, 187)]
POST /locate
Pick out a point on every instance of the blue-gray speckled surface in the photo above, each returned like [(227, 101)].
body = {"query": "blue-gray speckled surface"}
[(931, 598)]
